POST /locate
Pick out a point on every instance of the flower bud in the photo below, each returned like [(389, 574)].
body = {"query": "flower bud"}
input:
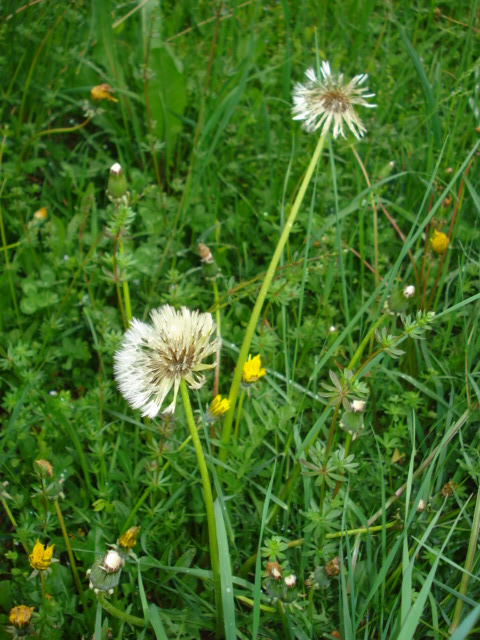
[(104, 574), (129, 538), (409, 291), (117, 184), (20, 616)]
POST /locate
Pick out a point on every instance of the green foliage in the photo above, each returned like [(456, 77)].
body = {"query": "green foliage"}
[(357, 454)]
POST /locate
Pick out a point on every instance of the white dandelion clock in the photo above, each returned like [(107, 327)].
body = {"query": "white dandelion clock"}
[(327, 100), (155, 357)]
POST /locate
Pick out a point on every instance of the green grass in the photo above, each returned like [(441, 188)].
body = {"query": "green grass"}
[(203, 130)]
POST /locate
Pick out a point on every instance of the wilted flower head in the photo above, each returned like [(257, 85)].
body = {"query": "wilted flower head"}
[(20, 616), (274, 570), (290, 581), (409, 291), (129, 538), (102, 92), (112, 562), (44, 467), (154, 358), (252, 370), (358, 406), (41, 556), (439, 242), (327, 99)]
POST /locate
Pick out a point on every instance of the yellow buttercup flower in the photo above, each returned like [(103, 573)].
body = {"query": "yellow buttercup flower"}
[(41, 556), (20, 616), (252, 370), (439, 242), (102, 92), (219, 406), (129, 539)]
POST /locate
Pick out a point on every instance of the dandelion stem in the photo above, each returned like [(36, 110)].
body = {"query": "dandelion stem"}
[(208, 497), (239, 413), (117, 613), (70, 554), (237, 376), (126, 291), (218, 317)]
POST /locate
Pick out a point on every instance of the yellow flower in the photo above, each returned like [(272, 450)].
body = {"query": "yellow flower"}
[(129, 539), (20, 616), (439, 242), (41, 556), (40, 214), (102, 92), (252, 370), (218, 406)]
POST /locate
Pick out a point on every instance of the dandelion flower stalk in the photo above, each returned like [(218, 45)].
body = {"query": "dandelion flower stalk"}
[(156, 358), (325, 103), (208, 497), (244, 351)]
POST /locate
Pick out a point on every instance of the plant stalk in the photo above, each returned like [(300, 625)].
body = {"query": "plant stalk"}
[(208, 497), (237, 376)]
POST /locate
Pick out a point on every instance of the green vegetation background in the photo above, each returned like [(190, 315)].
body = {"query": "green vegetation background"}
[(203, 130)]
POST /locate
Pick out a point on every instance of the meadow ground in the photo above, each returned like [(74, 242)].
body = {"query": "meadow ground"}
[(149, 157)]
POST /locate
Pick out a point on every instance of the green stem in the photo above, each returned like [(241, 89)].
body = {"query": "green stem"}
[(218, 317), (121, 615), (8, 268), (208, 497), (328, 448), (139, 503), (237, 376), (13, 521), (81, 456), (126, 291), (472, 545), (43, 586), (239, 413), (283, 618), (70, 554)]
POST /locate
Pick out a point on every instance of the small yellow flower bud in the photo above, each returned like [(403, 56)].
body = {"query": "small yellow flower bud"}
[(129, 538), (252, 370), (40, 214), (41, 556), (439, 242), (102, 92), (20, 616)]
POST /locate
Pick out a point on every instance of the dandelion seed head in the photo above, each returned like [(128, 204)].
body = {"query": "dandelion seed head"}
[(327, 100), (155, 357)]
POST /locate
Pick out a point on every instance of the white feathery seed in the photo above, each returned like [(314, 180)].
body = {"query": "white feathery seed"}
[(327, 99), (155, 357)]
